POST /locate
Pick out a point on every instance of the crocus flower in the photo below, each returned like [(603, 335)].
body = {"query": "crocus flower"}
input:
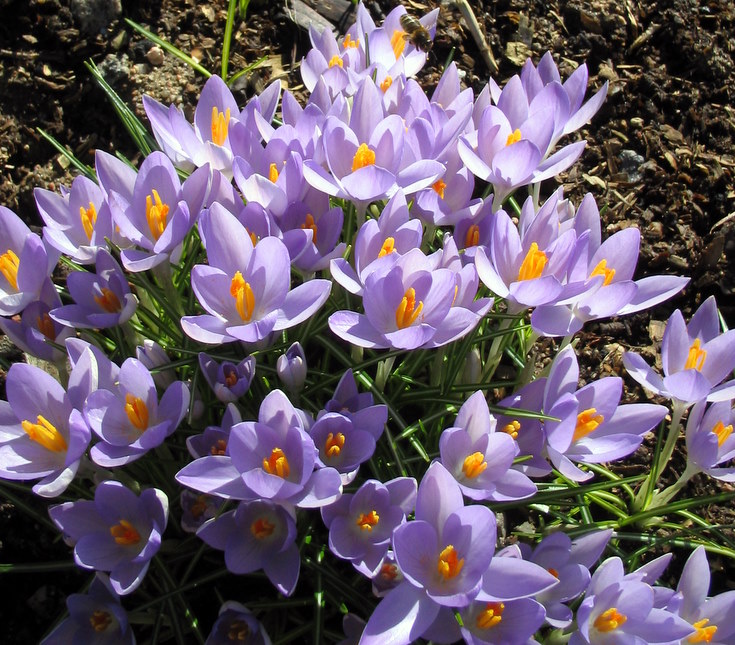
[(91, 370), (709, 439), (25, 264), (95, 617), (246, 288), (130, 420), (214, 439), (118, 531), (154, 358), (272, 458), (236, 623), (197, 508), (341, 445), (257, 535), (695, 357), (357, 406), (102, 299), (291, 367), (229, 381), (41, 435), (512, 622)]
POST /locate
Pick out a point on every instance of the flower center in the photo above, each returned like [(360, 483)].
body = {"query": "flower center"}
[(388, 247), (199, 506), (231, 378), (310, 224), (108, 301), (587, 421), (363, 157), (89, 219), (220, 123), (242, 292), (439, 185), (533, 264), (553, 572), (45, 433), (46, 326), (336, 60), (125, 533), (407, 311), (262, 528), (137, 411), (386, 83), (9, 263), (513, 137), (474, 465), (100, 620), (449, 565), (334, 444), (398, 42), (389, 571), (722, 432), (703, 634), (490, 616), (238, 631), (512, 428), (609, 620), (366, 521), (349, 43), (696, 356), (601, 269), (219, 447), (472, 238), (277, 464), (273, 173), (156, 213)]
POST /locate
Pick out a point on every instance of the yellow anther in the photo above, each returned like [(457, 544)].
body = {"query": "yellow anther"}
[(439, 185), (89, 219), (386, 83), (389, 571), (220, 124), (231, 379), (156, 212), (474, 465), (533, 264), (449, 565), (388, 247), (273, 173), (238, 631), (45, 433), (601, 269), (137, 411), (587, 421), (722, 432), (262, 528), (219, 447), (199, 506), (277, 464), (349, 43), (334, 444), (310, 224), (46, 326), (366, 521), (9, 264), (703, 634), (472, 238), (363, 157), (244, 297), (100, 620), (408, 310), (512, 428), (490, 616), (253, 237), (553, 572), (398, 42), (513, 137), (125, 533), (609, 620), (696, 356), (335, 60), (108, 301)]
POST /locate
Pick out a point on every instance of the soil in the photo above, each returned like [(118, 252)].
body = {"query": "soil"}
[(659, 153)]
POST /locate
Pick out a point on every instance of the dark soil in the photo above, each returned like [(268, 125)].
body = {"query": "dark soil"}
[(659, 156)]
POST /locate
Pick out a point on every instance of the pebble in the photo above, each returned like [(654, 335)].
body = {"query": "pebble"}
[(95, 16), (630, 163), (155, 56)]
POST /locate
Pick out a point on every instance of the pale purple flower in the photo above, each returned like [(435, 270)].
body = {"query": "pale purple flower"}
[(357, 406), (41, 435), (245, 289), (25, 264), (155, 359), (257, 535), (272, 458), (709, 439), (197, 508), (95, 617), (388, 576), (229, 381), (341, 445), (91, 370), (101, 299), (512, 622), (118, 532), (338, 64), (130, 420), (214, 439), (236, 623), (695, 358), (291, 367)]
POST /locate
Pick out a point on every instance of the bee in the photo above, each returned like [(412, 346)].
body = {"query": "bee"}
[(416, 33)]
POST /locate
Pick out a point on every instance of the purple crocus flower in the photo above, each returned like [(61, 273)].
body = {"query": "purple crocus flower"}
[(91, 371), (388, 576), (214, 439), (480, 458), (102, 299), (512, 622), (246, 288), (291, 367), (695, 357), (25, 264), (712, 618), (130, 420), (272, 458), (118, 532), (257, 535), (361, 524), (155, 358), (77, 221), (197, 508), (709, 439), (229, 381), (41, 435), (95, 617), (236, 623)]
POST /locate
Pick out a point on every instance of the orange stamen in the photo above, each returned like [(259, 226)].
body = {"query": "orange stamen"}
[(587, 421), (533, 264), (277, 464), (244, 297), (220, 124), (45, 433), (156, 213), (366, 521), (408, 310)]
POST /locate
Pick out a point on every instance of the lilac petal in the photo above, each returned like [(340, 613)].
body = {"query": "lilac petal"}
[(319, 178), (368, 183), (559, 161), (356, 329), (206, 329), (216, 475), (511, 578), (688, 386), (283, 569), (301, 302), (418, 175), (323, 487), (653, 290), (218, 531), (642, 372), (438, 496)]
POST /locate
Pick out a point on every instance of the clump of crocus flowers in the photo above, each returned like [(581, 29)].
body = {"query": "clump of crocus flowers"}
[(345, 251)]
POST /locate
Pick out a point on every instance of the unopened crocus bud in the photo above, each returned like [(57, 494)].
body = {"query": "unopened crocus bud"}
[(291, 367), (153, 356), (472, 372), (228, 380)]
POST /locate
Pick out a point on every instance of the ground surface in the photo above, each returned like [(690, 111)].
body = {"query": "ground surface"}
[(660, 153)]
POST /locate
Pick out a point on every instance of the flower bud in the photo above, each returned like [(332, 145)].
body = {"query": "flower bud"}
[(291, 368)]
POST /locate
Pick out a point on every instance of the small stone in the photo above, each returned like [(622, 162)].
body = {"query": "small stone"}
[(155, 56), (95, 16), (114, 69), (630, 163)]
